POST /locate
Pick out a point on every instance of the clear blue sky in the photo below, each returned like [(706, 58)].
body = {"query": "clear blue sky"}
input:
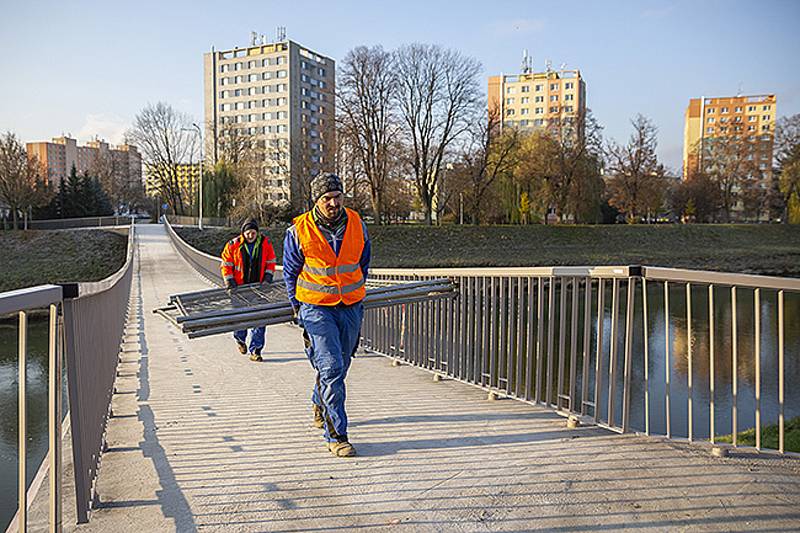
[(87, 68)]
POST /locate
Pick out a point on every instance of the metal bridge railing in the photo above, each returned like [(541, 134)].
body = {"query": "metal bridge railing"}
[(205, 264), (580, 340), (83, 222), (88, 333)]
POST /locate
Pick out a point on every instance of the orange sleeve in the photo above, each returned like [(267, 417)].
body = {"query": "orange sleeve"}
[(269, 255), (226, 266)]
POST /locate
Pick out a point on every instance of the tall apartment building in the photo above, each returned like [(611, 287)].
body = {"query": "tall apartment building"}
[(58, 157), (535, 99), (708, 118), (280, 94)]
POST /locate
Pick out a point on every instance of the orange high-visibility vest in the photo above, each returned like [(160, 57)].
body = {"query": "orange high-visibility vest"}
[(327, 279), (232, 265)]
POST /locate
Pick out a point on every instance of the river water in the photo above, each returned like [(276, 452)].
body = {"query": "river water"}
[(678, 370)]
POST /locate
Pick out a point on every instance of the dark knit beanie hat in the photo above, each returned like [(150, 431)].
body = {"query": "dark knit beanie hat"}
[(250, 223), (325, 183)]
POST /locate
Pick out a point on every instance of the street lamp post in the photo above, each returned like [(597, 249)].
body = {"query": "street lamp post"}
[(200, 137)]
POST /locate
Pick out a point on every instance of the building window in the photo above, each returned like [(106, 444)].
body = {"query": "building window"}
[(765, 117), (751, 108), (237, 66), (751, 128), (523, 122), (569, 85), (751, 118), (710, 111), (509, 101), (321, 72), (723, 119), (251, 64), (553, 86), (709, 130), (723, 110), (509, 112), (738, 110), (538, 122), (554, 98), (538, 88), (281, 74), (524, 100), (554, 109), (523, 112), (765, 108), (526, 88), (539, 111), (252, 77), (568, 109), (510, 90), (538, 99), (569, 97)]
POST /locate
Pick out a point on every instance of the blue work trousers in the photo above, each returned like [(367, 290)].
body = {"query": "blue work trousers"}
[(332, 333), (256, 338)]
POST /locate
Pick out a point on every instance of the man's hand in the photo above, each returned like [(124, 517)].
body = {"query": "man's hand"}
[(296, 316), (230, 285)]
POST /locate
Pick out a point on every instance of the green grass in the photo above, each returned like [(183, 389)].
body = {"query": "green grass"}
[(769, 436), (37, 257), (757, 249)]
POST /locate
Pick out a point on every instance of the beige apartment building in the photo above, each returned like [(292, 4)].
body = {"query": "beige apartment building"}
[(535, 99), (707, 118), (282, 95), (59, 155)]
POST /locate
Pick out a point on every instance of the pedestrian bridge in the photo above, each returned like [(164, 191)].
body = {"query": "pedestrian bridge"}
[(200, 438)]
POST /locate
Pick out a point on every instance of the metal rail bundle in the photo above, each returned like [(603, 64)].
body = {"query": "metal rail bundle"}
[(216, 311)]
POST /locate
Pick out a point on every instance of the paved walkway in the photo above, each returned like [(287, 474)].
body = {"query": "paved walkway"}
[(204, 439)]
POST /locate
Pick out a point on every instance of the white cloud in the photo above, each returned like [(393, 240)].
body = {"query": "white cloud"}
[(106, 126), (519, 26)]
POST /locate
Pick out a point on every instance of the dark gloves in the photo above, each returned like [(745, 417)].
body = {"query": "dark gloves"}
[(230, 285), (296, 316)]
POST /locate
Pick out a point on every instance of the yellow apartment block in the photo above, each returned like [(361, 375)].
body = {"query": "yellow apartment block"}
[(534, 99), (188, 180), (706, 118)]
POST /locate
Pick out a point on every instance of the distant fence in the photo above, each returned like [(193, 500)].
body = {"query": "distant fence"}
[(89, 334), (207, 221), (85, 222)]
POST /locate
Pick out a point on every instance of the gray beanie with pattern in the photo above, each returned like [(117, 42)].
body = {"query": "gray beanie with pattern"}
[(325, 183)]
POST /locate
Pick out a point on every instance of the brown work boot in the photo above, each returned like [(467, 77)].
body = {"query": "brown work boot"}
[(341, 449), (319, 420), (242, 347), (255, 357)]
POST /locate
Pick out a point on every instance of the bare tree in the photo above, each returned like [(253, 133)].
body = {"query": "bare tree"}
[(367, 115), (166, 140), (729, 159), (20, 177), (488, 154), (637, 182), (576, 145), (438, 98)]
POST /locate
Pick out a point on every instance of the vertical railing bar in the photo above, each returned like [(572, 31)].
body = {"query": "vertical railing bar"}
[(626, 376), (646, 343), (493, 331), (22, 480), (539, 337), (531, 354), (711, 361), (463, 286), (562, 335), (757, 327), (667, 367), (781, 372), (587, 332), (54, 419), (486, 340), (551, 298), (689, 382), (519, 359), (573, 361), (735, 368), (612, 360), (503, 333), (598, 374)]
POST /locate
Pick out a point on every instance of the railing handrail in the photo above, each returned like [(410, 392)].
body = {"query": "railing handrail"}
[(29, 298), (94, 287), (622, 271), (720, 278)]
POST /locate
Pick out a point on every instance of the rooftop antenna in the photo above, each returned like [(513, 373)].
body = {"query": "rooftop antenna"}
[(281, 33), (263, 39), (562, 67), (548, 65), (740, 90), (253, 38), (527, 62)]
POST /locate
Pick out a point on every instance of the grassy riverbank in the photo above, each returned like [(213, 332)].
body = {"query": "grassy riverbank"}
[(769, 436), (757, 249), (37, 257)]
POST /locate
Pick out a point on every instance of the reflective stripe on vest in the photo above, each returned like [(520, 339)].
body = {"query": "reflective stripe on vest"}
[(325, 278)]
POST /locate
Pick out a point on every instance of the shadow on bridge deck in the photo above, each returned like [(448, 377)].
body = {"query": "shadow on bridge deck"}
[(204, 439)]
